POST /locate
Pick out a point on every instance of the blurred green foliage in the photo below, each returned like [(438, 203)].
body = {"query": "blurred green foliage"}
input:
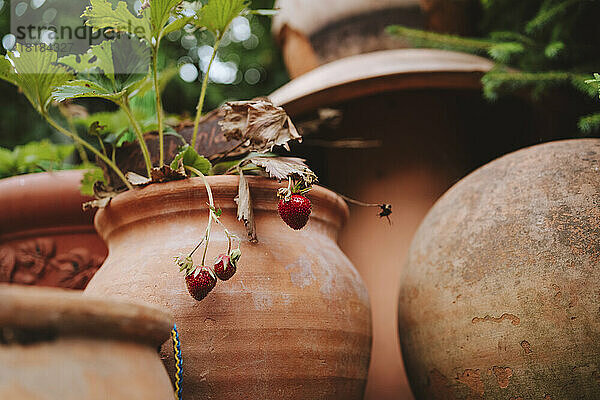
[(257, 58), (551, 43)]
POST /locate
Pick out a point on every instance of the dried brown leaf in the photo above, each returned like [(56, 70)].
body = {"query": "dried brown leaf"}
[(259, 124), (282, 167), (137, 180), (98, 203), (245, 212)]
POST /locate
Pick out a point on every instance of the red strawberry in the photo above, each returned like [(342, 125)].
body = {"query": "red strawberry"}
[(224, 268), (295, 211), (226, 265), (200, 282)]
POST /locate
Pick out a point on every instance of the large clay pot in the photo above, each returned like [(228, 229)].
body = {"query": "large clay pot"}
[(499, 298), (313, 32), (293, 323), (46, 239), (58, 344)]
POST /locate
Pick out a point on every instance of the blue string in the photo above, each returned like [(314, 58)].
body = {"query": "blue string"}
[(178, 362)]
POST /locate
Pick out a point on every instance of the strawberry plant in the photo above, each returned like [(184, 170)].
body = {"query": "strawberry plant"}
[(124, 71)]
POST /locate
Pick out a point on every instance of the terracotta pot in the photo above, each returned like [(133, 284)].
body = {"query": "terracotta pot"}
[(46, 239), (294, 321), (57, 344), (312, 32), (499, 298)]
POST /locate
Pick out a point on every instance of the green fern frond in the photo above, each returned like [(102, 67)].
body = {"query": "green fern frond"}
[(546, 15), (589, 123), (422, 38)]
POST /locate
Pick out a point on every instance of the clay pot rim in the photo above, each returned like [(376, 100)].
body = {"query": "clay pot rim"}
[(379, 72), (48, 313), (43, 203), (327, 207)]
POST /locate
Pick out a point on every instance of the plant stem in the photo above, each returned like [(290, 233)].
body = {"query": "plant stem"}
[(159, 116), (203, 91), (77, 139), (124, 104), (210, 211)]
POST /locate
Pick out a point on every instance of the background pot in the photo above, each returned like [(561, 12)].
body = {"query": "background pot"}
[(499, 298), (57, 344), (46, 239), (293, 322)]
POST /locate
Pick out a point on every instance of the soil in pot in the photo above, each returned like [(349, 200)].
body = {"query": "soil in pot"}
[(294, 322)]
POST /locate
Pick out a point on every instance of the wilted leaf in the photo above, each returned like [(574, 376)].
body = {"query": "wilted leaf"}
[(216, 15), (166, 173), (259, 123), (190, 158), (100, 15), (282, 167), (245, 212), (98, 203), (137, 180)]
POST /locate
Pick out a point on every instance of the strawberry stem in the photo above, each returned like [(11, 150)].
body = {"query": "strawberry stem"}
[(210, 211)]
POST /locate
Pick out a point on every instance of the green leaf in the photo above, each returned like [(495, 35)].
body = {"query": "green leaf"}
[(101, 15), (177, 24), (98, 59), (83, 89), (89, 180), (126, 137), (216, 15), (160, 12), (7, 72), (191, 159), (37, 74), (31, 156), (109, 70), (8, 165)]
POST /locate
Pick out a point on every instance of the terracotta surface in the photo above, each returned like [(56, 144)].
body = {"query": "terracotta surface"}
[(312, 32), (46, 239), (499, 298), (57, 344), (380, 72), (293, 323)]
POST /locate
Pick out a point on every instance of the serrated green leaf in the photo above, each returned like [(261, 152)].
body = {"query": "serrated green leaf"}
[(89, 180), (107, 70), (191, 158), (83, 89), (37, 74), (160, 12), (98, 59), (7, 72), (101, 15), (216, 15)]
